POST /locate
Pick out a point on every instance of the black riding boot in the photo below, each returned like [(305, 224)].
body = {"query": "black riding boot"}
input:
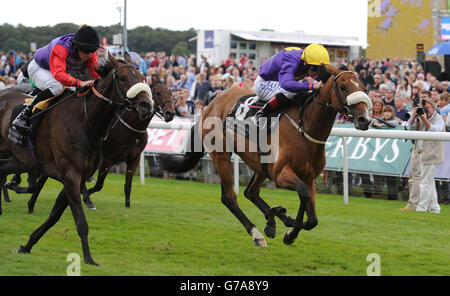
[(21, 121), (278, 101)]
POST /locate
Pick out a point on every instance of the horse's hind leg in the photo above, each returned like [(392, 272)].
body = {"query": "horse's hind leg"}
[(40, 184), (57, 210), (252, 193), (229, 199)]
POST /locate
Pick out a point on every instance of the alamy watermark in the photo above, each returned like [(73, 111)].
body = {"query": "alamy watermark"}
[(374, 268), (374, 8), (74, 268)]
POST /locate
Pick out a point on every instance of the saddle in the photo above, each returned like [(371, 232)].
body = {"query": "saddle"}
[(19, 137), (242, 118)]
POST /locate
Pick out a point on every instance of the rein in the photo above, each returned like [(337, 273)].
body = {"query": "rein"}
[(344, 109), (128, 104), (59, 102)]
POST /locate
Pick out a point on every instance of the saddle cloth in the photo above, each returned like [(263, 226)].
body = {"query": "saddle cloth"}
[(19, 137), (241, 120)]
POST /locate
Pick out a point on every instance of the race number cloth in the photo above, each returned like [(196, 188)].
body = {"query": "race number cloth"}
[(241, 118)]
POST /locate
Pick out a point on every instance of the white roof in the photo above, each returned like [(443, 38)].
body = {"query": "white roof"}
[(297, 38)]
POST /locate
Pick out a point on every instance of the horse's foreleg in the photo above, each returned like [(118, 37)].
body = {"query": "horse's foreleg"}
[(40, 184), (72, 185), (289, 180), (252, 193), (103, 171), (311, 209), (2, 184), (57, 210), (131, 168), (229, 198), (86, 198), (5, 193)]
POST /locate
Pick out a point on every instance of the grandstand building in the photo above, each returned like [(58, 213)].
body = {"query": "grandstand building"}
[(218, 45)]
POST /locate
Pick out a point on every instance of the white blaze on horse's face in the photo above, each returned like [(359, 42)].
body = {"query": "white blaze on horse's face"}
[(354, 83)]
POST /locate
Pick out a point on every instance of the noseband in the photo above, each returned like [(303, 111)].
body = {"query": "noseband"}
[(127, 103)]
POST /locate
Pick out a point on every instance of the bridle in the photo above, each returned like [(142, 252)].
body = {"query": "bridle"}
[(127, 103), (343, 108), (159, 109)]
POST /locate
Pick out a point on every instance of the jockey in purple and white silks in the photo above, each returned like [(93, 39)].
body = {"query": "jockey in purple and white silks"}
[(277, 82), (54, 66)]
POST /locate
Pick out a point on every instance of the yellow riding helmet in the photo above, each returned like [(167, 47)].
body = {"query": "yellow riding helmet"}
[(316, 54)]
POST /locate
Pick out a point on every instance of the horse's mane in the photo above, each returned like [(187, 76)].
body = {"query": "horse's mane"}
[(105, 67)]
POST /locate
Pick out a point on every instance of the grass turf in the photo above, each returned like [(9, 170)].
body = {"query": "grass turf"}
[(178, 228)]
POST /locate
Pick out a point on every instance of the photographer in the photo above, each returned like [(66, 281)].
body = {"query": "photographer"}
[(425, 159)]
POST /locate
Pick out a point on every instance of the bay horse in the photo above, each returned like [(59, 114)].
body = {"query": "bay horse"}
[(128, 140), (125, 143), (299, 151), (68, 141)]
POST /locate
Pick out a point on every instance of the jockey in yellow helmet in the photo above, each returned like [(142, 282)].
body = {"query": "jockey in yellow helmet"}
[(276, 83)]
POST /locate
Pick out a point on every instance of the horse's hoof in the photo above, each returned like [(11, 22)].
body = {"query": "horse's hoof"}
[(270, 231), (261, 242), (258, 239), (22, 250), (287, 239), (308, 225), (30, 211), (91, 207), (91, 262)]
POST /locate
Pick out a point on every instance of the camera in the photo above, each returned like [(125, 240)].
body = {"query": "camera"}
[(421, 111)]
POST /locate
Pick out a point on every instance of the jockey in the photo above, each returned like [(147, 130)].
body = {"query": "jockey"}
[(54, 66), (277, 82)]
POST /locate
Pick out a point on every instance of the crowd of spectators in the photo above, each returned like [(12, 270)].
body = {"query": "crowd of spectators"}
[(395, 88), (195, 84)]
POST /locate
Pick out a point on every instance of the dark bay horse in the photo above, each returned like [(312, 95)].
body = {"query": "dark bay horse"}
[(299, 151), (68, 141), (129, 138), (125, 143)]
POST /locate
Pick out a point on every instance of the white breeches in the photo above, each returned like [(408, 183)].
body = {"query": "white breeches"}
[(43, 79), (266, 90)]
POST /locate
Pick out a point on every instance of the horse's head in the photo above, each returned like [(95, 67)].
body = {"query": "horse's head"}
[(347, 94), (130, 87), (165, 105)]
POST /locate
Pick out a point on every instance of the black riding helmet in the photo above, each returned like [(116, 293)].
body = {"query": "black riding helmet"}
[(86, 39)]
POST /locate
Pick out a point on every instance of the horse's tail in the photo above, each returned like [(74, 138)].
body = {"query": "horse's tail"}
[(184, 163)]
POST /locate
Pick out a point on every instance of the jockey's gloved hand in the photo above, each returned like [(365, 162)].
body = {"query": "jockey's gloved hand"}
[(87, 83)]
